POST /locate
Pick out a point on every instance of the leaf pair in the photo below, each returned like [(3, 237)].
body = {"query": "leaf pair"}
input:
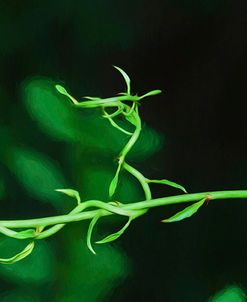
[(108, 238), (116, 235), (30, 233), (127, 81)]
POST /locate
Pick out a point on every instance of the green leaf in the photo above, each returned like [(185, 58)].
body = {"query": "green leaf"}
[(89, 233), (116, 235), (23, 254), (168, 183), (130, 118), (114, 182), (18, 235), (151, 93), (37, 269), (25, 234), (55, 116), (72, 193), (229, 294), (63, 91), (186, 213), (126, 78)]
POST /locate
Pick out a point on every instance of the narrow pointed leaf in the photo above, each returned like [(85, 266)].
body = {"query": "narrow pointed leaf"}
[(186, 213), (114, 182), (168, 183), (116, 235), (89, 233), (151, 93), (92, 98), (23, 254), (126, 78), (18, 235), (72, 193), (63, 91), (115, 125), (130, 118), (113, 185), (25, 234)]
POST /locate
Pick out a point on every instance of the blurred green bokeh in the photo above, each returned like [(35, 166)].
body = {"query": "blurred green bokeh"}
[(230, 294), (193, 50), (88, 146)]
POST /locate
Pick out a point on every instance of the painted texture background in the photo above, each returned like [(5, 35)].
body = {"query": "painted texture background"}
[(195, 133)]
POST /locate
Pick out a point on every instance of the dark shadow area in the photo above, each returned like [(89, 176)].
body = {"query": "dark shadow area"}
[(195, 133)]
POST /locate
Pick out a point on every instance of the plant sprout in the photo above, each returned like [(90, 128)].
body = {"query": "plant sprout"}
[(126, 106)]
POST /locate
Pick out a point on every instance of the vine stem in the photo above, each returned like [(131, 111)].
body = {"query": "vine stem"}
[(123, 209), (134, 137), (142, 180)]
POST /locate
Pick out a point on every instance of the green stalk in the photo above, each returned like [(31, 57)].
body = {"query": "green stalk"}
[(109, 102), (123, 209), (133, 138), (94, 209), (142, 180), (185, 198)]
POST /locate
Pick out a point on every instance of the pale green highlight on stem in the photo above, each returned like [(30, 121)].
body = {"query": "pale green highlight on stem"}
[(124, 209), (142, 180)]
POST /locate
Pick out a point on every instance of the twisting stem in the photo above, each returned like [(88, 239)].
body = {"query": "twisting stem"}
[(134, 119), (142, 180), (135, 206), (94, 209), (133, 138), (51, 231)]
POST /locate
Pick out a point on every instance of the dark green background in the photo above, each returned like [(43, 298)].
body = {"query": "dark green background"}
[(195, 134)]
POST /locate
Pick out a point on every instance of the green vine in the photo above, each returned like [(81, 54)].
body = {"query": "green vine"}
[(124, 105)]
